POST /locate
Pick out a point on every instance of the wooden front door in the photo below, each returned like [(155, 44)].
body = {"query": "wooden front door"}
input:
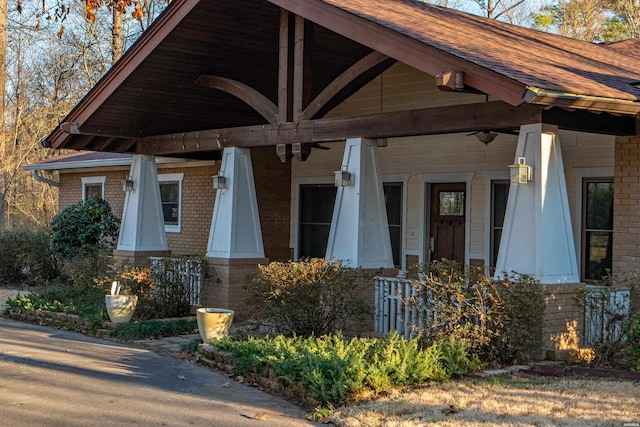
[(447, 221)]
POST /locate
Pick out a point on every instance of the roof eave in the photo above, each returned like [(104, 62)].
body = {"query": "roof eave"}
[(539, 96)]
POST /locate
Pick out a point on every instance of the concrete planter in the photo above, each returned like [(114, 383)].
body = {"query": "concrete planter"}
[(214, 323), (120, 308)]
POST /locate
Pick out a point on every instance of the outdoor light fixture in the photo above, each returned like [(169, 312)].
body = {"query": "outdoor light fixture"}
[(219, 182), (520, 172), (343, 178), (383, 142), (128, 184), (486, 137)]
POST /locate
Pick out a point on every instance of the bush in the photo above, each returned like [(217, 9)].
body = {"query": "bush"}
[(25, 257), (153, 329), (87, 302), (499, 320), (308, 297), (332, 369), (160, 296), (632, 333), (85, 228)]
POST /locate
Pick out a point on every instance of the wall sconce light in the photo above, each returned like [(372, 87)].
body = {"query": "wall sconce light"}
[(128, 184), (520, 172), (343, 177), (383, 142), (219, 182)]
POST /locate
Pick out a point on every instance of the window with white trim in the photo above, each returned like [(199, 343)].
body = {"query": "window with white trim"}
[(597, 227), (93, 187), (171, 198), (499, 195)]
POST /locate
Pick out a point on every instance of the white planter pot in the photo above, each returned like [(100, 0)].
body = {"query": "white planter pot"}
[(214, 323), (120, 308)]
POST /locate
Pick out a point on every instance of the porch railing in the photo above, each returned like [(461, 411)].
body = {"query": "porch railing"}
[(393, 309), (179, 277), (606, 309)]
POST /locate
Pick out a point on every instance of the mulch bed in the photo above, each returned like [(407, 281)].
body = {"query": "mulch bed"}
[(557, 370)]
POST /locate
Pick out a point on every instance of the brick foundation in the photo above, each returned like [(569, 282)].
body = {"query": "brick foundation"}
[(139, 257), (563, 320), (223, 287)]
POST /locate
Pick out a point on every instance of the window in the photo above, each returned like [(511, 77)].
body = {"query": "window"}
[(393, 201), (93, 187), (597, 227), (499, 195), (171, 197), (316, 212)]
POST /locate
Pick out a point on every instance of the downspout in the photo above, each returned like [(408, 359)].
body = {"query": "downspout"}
[(47, 181)]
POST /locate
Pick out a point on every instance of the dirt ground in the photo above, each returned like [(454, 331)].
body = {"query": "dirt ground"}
[(519, 400), (5, 293)]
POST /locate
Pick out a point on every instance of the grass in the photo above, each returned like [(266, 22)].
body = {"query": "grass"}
[(509, 401)]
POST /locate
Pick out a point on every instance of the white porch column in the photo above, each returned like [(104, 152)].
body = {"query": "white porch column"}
[(359, 234), (235, 226), (537, 236), (142, 226)]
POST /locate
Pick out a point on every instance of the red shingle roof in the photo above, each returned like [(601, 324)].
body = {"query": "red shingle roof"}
[(528, 56)]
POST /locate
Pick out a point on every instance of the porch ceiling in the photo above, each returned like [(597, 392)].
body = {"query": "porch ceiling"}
[(155, 94)]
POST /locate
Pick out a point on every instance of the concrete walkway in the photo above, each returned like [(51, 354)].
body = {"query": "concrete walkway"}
[(54, 377)]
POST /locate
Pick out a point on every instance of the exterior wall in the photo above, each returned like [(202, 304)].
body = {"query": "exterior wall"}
[(626, 221), (70, 190), (273, 181), (198, 197)]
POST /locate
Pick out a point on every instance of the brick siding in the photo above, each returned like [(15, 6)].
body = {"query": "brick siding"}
[(626, 206)]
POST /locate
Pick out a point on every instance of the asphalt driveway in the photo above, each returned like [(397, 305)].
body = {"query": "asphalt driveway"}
[(50, 377)]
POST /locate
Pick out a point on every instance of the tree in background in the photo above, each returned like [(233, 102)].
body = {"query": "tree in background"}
[(591, 20), (51, 53)]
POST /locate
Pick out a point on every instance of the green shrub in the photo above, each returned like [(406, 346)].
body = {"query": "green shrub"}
[(499, 320), (87, 302), (313, 296), (632, 333), (332, 369), (25, 257), (84, 228), (153, 329)]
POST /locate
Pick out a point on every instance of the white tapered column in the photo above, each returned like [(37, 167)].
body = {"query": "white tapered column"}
[(142, 226), (235, 226), (536, 236), (359, 234)]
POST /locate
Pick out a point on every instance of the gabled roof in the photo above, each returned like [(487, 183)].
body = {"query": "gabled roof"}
[(154, 89), (630, 47)]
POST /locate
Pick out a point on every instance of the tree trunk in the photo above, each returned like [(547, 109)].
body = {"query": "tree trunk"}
[(116, 36), (3, 80)]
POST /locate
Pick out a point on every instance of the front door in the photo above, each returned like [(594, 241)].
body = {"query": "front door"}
[(447, 221)]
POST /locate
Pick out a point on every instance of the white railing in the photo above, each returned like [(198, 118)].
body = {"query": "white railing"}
[(181, 277), (606, 309), (396, 307)]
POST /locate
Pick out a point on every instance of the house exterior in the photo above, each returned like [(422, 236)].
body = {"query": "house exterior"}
[(380, 133)]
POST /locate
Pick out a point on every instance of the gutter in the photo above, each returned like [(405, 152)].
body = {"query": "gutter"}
[(47, 181), (539, 96)]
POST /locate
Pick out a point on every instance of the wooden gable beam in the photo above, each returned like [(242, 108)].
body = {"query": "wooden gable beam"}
[(247, 94), (405, 49), (459, 118), (342, 81)]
